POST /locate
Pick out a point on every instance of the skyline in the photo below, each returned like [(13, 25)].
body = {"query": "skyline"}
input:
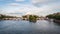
[(22, 7)]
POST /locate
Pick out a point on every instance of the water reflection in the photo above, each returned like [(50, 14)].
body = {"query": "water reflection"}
[(33, 21), (57, 23), (26, 27)]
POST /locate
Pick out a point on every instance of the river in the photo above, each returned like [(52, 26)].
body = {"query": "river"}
[(26, 27)]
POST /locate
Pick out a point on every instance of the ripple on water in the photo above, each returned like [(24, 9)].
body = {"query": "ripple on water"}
[(26, 27)]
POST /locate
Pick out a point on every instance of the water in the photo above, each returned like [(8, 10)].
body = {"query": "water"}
[(26, 27)]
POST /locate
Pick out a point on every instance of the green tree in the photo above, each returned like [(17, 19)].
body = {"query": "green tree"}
[(54, 16), (32, 18)]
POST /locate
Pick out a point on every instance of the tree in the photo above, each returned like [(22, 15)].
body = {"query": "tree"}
[(54, 16), (32, 18)]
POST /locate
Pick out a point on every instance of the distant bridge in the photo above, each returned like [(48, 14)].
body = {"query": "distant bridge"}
[(12, 18)]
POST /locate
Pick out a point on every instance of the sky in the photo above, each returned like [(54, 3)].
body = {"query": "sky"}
[(23, 7)]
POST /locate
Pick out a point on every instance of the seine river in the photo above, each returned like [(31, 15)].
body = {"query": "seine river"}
[(26, 27)]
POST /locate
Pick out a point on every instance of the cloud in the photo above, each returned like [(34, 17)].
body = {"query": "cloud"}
[(38, 3), (13, 4), (19, 0), (6, 0), (22, 9), (45, 9), (38, 7), (42, 1)]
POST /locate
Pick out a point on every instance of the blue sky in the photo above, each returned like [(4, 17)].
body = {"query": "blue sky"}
[(22, 7)]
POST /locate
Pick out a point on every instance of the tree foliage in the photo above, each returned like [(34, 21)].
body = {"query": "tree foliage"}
[(54, 16), (33, 18), (4, 16)]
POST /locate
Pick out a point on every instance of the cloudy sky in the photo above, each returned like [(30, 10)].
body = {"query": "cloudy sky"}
[(22, 7)]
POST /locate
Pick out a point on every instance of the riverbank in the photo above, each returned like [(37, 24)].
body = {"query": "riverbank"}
[(55, 16), (56, 21)]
